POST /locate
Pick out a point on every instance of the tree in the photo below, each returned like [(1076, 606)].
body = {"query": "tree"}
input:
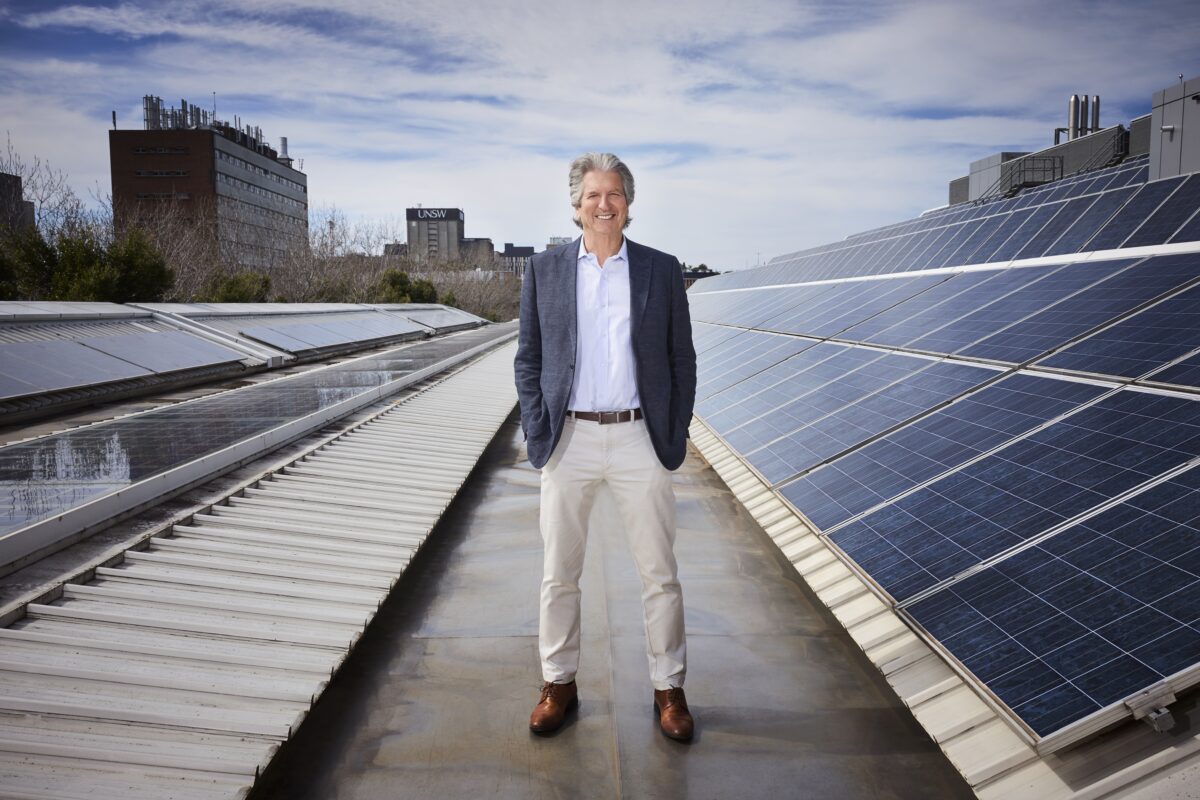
[(78, 267), (142, 273), (395, 287), (422, 291), (27, 266), (448, 299), (240, 287)]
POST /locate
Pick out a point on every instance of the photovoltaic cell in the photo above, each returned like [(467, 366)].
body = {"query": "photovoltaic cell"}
[(1167, 219), (1133, 214), (865, 412), (822, 385), (1037, 221), (47, 476), (1092, 307), (1006, 229), (767, 390), (1028, 299), (1190, 232), (1185, 373), (1143, 342), (932, 445), (921, 319), (1068, 214), (742, 356), (1087, 618), (1022, 490), (1090, 221), (903, 311)]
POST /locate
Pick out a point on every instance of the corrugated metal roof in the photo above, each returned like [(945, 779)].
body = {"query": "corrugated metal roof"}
[(177, 672)]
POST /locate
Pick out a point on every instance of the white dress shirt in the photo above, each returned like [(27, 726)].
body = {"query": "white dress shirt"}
[(605, 376)]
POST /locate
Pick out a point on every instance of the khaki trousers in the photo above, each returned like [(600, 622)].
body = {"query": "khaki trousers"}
[(621, 455)]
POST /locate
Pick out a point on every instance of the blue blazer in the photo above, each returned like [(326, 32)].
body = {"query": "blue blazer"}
[(661, 331)]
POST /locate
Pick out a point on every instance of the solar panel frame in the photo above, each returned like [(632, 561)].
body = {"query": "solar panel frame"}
[(1013, 495), (1170, 216), (1076, 237), (1139, 207), (1085, 619), (934, 445)]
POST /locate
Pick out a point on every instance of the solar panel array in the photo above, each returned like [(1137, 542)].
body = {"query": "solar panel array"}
[(1106, 209), (50, 475), (1007, 451), (47, 365)]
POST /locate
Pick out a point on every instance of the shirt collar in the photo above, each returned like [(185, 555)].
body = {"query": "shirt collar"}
[(622, 254)]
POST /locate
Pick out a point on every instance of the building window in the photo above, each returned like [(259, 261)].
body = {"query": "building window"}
[(164, 196), (162, 173), (177, 150)]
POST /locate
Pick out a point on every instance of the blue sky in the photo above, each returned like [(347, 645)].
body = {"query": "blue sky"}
[(753, 129)]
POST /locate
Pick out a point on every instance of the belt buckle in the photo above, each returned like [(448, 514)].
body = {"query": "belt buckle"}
[(609, 417)]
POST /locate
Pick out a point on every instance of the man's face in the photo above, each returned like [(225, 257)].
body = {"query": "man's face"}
[(602, 207)]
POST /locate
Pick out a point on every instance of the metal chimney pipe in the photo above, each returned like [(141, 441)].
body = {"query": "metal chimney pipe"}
[(283, 147), (1083, 115), (1095, 113), (1073, 118)]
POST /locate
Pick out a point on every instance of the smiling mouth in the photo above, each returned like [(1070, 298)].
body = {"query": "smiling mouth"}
[(605, 216)]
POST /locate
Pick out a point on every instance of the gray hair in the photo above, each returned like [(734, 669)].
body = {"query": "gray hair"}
[(605, 162)]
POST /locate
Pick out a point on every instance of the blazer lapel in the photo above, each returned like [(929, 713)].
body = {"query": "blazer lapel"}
[(639, 284), (568, 267)]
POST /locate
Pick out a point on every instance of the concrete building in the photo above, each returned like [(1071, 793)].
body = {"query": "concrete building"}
[(514, 259), (15, 211), (479, 252), (210, 172), (435, 234)]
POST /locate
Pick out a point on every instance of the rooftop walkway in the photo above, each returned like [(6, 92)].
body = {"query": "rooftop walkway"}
[(434, 701)]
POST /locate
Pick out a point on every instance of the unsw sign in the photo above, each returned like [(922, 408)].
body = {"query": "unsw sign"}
[(434, 214)]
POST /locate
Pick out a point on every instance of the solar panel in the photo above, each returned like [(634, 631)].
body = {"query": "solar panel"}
[(954, 284), (1164, 222), (1033, 484), (741, 357), (162, 351), (47, 476), (1085, 310), (856, 302), (1185, 373), (1088, 617), (1145, 341), (1037, 221), (1006, 229), (61, 364), (1089, 222), (1190, 232), (1027, 299), (784, 407), (864, 410), (765, 390), (1067, 215), (1133, 214), (933, 445)]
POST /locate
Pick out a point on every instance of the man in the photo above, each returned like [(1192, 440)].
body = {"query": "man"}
[(606, 375)]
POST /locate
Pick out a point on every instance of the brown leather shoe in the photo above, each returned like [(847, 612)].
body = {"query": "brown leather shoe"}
[(556, 700), (673, 715)]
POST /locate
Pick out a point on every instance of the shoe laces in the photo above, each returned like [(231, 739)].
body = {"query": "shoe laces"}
[(675, 697), (548, 690)]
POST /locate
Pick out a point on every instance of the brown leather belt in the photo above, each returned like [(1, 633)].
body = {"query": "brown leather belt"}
[(607, 417)]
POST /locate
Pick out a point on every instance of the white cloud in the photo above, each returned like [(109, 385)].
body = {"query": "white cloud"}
[(759, 129)]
